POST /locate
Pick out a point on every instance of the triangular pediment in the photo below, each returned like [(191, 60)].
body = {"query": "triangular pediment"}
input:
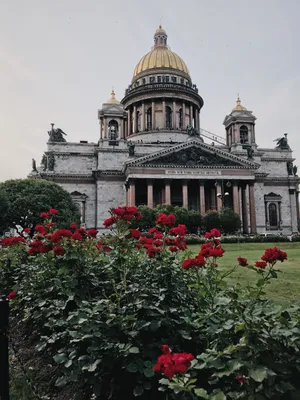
[(193, 154)]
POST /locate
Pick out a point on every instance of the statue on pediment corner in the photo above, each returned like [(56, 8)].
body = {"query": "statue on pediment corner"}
[(282, 143), (56, 135), (250, 153)]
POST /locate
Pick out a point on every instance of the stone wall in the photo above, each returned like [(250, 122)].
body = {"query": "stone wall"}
[(110, 194)]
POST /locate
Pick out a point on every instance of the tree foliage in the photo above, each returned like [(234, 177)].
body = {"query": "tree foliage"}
[(22, 201), (230, 222)]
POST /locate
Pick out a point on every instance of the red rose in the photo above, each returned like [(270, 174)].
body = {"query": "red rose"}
[(158, 235), (51, 224), (152, 231), (171, 364), (173, 249), (152, 251), (59, 234), (73, 225), (77, 236), (59, 251), (92, 232), (242, 261), (260, 264), (241, 379), (214, 233), (180, 230), (12, 295), (198, 261), (7, 242), (53, 211), (157, 242), (27, 230), (41, 229), (273, 255), (44, 215), (109, 222), (166, 220), (134, 233)]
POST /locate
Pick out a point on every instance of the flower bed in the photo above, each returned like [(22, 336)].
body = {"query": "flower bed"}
[(99, 310)]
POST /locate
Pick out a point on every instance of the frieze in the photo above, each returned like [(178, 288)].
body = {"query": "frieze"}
[(191, 172)]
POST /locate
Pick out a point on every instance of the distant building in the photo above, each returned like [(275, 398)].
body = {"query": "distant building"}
[(152, 151)]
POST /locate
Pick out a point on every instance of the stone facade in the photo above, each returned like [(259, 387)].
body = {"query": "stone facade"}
[(151, 150)]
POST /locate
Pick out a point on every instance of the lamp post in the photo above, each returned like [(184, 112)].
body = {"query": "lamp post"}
[(222, 195), (4, 365)]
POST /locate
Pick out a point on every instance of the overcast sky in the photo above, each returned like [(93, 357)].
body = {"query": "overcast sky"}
[(60, 58)]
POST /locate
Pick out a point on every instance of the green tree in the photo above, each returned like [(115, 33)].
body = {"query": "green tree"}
[(25, 199), (230, 222), (211, 220)]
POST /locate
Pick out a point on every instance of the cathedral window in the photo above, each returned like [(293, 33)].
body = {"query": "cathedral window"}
[(273, 211), (168, 117), (180, 119), (159, 79), (167, 79), (144, 81), (244, 134), (182, 81), (273, 215), (149, 119), (113, 128)]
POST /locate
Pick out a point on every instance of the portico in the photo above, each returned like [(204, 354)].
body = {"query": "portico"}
[(195, 194)]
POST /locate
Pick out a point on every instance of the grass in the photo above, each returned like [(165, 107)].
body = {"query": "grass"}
[(283, 289)]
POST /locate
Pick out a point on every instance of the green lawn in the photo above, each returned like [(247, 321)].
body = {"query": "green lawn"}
[(283, 289)]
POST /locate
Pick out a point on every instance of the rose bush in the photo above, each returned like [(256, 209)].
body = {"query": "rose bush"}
[(99, 310)]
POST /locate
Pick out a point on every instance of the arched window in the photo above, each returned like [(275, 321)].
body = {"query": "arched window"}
[(168, 117), (149, 119), (180, 120), (113, 128), (273, 220), (244, 134)]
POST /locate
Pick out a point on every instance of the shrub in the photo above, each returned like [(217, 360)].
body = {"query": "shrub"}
[(230, 222), (211, 220), (100, 309)]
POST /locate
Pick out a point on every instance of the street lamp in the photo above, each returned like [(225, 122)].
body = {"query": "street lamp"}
[(222, 195)]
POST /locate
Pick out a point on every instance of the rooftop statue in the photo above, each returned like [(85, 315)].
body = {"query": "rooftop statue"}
[(282, 143), (34, 165), (56, 135), (190, 130), (131, 147)]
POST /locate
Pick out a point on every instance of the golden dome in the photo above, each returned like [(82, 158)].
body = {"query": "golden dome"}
[(112, 99), (238, 106), (160, 56)]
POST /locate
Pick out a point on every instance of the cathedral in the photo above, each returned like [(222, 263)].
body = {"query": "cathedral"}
[(151, 150)]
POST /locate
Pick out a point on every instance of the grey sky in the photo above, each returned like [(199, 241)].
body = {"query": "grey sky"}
[(59, 60)]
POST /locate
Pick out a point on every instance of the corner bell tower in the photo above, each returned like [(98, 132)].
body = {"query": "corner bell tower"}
[(240, 128)]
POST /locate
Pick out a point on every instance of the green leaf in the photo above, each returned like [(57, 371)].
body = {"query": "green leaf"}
[(60, 358), (132, 367), (61, 381), (218, 396), (148, 373), (201, 393), (91, 367), (258, 375), (68, 363), (138, 391), (134, 350)]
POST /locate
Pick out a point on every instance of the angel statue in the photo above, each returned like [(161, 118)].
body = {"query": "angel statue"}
[(295, 170), (56, 135), (282, 143)]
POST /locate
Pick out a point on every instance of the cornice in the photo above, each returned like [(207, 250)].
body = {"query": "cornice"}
[(266, 159)]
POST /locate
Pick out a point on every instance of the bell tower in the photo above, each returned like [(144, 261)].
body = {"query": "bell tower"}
[(240, 128), (112, 120)]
